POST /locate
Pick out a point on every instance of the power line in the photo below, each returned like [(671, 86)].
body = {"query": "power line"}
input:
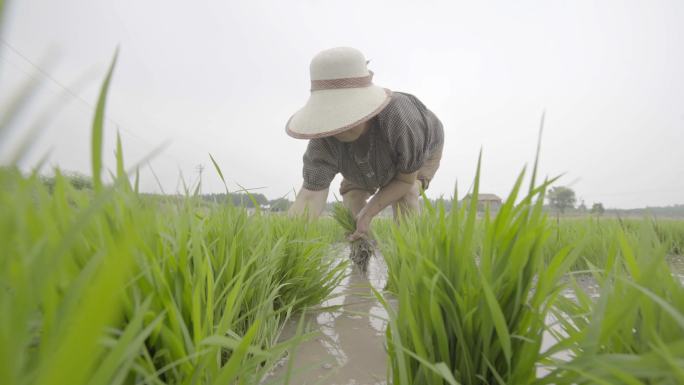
[(74, 95), (200, 170), (58, 83)]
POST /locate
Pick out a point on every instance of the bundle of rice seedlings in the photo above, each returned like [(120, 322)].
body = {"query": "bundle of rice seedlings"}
[(361, 249)]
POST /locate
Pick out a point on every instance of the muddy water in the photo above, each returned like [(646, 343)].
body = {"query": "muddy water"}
[(677, 263), (592, 288), (350, 348)]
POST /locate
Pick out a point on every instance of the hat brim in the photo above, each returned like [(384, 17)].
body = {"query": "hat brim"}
[(329, 112)]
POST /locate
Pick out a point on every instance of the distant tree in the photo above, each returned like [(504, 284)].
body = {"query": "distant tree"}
[(280, 204), (597, 208), (245, 200), (561, 198), (260, 198), (77, 180), (237, 199)]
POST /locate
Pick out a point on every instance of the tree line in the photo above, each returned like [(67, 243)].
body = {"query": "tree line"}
[(561, 199)]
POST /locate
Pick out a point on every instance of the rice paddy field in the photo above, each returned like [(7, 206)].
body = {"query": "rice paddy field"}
[(109, 286)]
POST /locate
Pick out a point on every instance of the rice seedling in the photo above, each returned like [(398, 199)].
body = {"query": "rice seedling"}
[(60, 289), (670, 232), (220, 274), (598, 236), (634, 332), (474, 297), (107, 286), (360, 250), (472, 312)]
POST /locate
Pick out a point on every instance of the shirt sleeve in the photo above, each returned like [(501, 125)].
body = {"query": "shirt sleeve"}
[(408, 135), (320, 165)]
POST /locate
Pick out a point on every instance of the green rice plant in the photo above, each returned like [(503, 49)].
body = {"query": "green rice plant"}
[(598, 236), (670, 232), (220, 274), (634, 332), (361, 249), (382, 228), (60, 289), (595, 235), (472, 312), (107, 286), (330, 229)]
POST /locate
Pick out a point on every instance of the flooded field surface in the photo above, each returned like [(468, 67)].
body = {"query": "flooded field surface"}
[(677, 263), (350, 346)]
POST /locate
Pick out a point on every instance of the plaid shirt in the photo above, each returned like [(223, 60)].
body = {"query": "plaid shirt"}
[(401, 137)]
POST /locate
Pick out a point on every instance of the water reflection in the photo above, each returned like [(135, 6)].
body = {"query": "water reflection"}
[(350, 348)]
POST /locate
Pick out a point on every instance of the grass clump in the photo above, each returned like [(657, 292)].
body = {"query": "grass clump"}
[(476, 296), (598, 237), (633, 333), (109, 286), (65, 260), (472, 304), (361, 250)]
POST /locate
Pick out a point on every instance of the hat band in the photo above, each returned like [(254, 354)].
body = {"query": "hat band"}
[(332, 84)]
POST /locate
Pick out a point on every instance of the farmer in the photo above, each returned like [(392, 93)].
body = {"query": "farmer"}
[(387, 145)]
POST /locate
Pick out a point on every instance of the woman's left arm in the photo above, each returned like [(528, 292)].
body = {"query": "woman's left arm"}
[(392, 192)]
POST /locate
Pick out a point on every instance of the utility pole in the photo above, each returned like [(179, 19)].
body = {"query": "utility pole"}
[(200, 169)]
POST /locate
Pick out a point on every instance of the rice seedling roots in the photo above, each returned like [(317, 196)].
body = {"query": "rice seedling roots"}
[(361, 250)]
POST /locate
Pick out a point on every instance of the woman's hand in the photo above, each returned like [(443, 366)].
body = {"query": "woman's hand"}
[(309, 202), (362, 227)]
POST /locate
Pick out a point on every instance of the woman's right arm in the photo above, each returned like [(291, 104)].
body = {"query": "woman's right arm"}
[(309, 202)]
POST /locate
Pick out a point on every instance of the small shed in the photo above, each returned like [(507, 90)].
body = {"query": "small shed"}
[(492, 201)]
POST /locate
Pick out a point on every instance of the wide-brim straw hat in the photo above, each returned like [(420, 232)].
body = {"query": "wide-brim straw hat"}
[(342, 95)]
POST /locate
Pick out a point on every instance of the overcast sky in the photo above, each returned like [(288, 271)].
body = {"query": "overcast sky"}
[(223, 77)]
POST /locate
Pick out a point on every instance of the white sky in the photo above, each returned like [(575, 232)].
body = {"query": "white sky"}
[(223, 77)]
